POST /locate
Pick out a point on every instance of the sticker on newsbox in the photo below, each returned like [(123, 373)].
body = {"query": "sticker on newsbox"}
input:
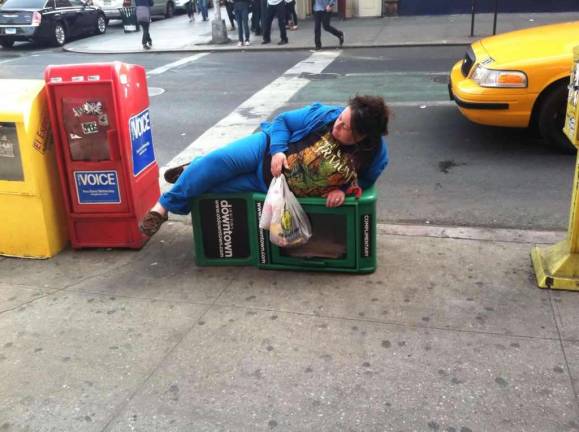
[(141, 141), (97, 187)]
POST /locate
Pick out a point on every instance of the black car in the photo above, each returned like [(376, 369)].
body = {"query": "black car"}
[(48, 21)]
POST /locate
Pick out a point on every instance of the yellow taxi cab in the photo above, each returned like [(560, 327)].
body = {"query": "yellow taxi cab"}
[(518, 79)]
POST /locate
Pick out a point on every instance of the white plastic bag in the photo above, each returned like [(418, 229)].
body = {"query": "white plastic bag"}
[(283, 216)]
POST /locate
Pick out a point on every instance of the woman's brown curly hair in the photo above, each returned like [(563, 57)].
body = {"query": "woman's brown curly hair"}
[(370, 116)]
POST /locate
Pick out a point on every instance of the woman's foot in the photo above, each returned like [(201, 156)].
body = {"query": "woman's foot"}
[(341, 37), (247, 43), (152, 221), (146, 46), (239, 44), (172, 174)]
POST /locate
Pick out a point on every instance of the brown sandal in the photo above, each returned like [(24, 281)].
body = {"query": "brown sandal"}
[(172, 174), (152, 222)]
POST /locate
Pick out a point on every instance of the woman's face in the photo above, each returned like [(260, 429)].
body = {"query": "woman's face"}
[(342, 129)]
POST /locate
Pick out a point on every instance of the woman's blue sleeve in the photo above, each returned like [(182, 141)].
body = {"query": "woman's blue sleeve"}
[(369, 176), (284, 124)]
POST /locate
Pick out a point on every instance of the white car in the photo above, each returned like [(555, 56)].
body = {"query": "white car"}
[(160, 8)]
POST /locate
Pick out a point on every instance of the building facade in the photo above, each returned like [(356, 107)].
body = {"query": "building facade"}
[(377, 8)]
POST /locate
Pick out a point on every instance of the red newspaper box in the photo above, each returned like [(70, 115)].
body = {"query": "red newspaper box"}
[(102, 132)]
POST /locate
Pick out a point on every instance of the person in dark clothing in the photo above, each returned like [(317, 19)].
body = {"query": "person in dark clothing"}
[(202, 8), (144, 19), (323, 150), (230, 14), (275, 8), (323, 15), (241, 8), (291, 15), (256, 17), (190, 11)]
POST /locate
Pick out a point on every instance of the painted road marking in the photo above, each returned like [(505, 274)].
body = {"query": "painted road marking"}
[(246, 118), (183, 61), (473, 233), (393, 86)]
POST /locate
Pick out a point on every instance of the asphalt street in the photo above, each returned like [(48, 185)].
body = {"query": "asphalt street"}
[(444, 170)]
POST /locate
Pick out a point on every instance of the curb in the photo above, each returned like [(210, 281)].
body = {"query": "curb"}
[(270, 49)]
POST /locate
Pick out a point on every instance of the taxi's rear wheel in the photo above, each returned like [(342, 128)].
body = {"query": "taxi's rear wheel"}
[(552, 117)]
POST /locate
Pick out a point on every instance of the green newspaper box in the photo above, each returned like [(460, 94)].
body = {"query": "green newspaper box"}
[(226, 233)]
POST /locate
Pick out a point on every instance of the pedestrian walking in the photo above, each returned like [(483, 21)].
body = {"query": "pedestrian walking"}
[(202, 8), (322, 16), (275, 8), (241, 8), (291, 15), (256, 26), (230, 14), (190, 10), (144, 19)]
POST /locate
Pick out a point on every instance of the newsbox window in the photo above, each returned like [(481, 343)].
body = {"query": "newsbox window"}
[(328, 241), (10, 160), (86, 122)]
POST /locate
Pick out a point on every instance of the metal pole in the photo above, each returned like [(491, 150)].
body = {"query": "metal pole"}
[(472, 12), (495, 18), (216, 10)]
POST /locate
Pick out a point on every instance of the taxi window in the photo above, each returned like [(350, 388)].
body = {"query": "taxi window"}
[(10, 161), (62, 3)]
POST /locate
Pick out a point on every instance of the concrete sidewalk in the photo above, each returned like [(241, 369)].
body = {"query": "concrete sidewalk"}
[(178, 34), (448, 335)]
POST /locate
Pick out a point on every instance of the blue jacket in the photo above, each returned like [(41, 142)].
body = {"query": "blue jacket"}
[(293, 126)]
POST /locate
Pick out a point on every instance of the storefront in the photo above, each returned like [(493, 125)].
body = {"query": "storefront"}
[(345, 8), (441, 7)]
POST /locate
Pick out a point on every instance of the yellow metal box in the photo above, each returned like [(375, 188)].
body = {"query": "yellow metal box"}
[(33, 219)]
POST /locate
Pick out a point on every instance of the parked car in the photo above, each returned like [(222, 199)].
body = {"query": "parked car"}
[(160, 8), (518, 79), (48, 21)]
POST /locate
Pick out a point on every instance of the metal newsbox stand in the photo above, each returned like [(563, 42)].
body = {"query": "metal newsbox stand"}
[(226, 233)]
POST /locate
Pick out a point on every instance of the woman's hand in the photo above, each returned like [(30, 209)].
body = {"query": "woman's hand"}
[(278, 161), (329, 8), (335, 198)]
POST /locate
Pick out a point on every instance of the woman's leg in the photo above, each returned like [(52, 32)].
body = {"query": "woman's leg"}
[(280, 13), (245, 19), (189, 6), (333, 30), (146, 37), (318, 28), (294, 15), (230, 15), (203, 9), (238, 18), (328, 27), (207, 173)]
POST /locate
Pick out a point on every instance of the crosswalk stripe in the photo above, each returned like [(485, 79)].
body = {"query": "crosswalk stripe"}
[(181, 62)]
